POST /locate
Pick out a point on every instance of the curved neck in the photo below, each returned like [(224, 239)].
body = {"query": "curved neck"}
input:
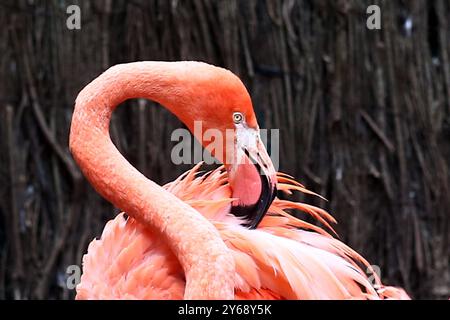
[(205, 259)]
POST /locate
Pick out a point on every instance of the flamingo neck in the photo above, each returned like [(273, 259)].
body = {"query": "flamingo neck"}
[(205, 259)]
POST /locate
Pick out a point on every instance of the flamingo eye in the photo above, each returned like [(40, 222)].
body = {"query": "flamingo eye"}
[(238, 117)]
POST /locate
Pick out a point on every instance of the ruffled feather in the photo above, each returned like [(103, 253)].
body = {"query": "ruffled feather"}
[(284, 258)]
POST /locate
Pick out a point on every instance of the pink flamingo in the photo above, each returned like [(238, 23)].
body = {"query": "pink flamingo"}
[(223, 235)]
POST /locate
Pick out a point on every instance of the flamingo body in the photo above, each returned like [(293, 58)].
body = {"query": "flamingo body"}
[(276, 261), (222, 235)]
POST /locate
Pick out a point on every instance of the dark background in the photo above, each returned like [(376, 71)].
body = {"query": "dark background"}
[(364, 119)]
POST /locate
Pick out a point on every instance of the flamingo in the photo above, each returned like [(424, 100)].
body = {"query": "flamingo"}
[(219, 235)]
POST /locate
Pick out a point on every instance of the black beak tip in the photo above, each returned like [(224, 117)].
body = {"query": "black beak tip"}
[(253, 214)]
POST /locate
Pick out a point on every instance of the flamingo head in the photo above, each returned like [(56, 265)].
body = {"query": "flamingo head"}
[(219, 112)]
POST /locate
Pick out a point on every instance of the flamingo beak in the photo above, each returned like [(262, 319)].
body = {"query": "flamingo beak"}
[(253, 181)]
